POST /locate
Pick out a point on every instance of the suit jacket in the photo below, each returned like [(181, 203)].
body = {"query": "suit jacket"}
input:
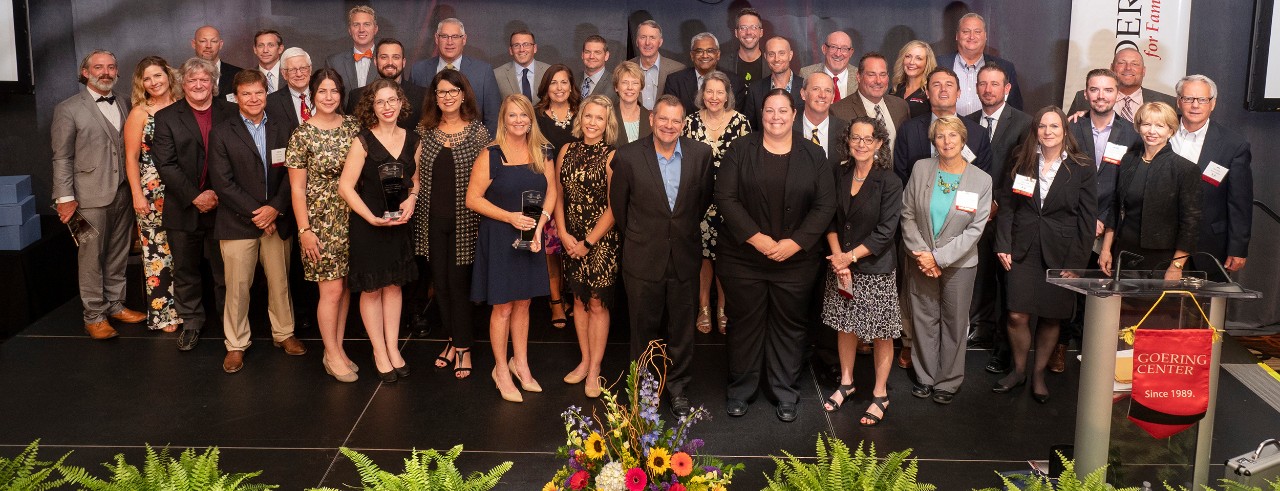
[(1170, 201), (754, 102), (226, 79), (1080, 103), (684, 85), (1226, 209), (850, 108), (957, 243), (851, 85), (741, 202), (414, 93), (1121, 134), (1062, 228), (280, 108), (237, 173), (1011, 128), (655, 236), (1015, 93), (88, 152), (666, 67), (604, 87), (913, 144), (835, 128), (870, 218), (645, 129), (479, 74), (509, 79), (345, 63), (179, 150)]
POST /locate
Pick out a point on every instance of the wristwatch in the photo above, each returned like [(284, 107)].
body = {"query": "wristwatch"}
[(588, 243), (1177, 264)]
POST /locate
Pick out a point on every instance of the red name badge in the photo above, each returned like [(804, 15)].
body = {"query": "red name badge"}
[(1024, 185), (1114, 153), (1214, 174), (966, 201)]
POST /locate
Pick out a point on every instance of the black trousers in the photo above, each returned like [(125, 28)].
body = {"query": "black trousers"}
[(987, 307), (188, 249), (453, 285), (678, 299), (769, 324)]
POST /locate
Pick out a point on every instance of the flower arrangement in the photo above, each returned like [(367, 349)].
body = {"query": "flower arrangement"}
[(631, 448)]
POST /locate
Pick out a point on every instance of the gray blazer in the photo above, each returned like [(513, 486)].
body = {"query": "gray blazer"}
[(604, 87), (345, 63), (509, 79), (88, 153), (957, 244), (666, 67)]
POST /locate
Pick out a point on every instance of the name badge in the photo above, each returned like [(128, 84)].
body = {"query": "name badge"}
[(966, 201), (1214, 174), (231, 98), (1024, 185), (277, 157), (1114, 153), (968, 155)]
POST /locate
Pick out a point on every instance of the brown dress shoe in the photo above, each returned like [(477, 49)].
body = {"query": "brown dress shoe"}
[(100, 330), (233, 362), (1058, 360), (904, 358), (864, 347), (292, 346), (129, 316)]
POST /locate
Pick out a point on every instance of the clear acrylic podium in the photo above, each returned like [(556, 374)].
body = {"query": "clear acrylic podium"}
[(1096, 405)]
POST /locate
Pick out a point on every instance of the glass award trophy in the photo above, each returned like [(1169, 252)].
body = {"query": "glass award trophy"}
[(391, 174), (530, 206)]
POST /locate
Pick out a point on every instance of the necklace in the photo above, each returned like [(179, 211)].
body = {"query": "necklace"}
[(561, 123), (448, 139), (947, 187)]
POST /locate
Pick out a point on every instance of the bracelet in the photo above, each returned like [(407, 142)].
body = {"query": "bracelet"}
[(1177, 265), (588, 243), (853, 258), (305, 230), (545, 214)]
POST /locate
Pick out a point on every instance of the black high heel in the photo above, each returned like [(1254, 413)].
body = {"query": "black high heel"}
[(1040, 398), (442, 360), (461, 372), (560, 322), (388, 377)]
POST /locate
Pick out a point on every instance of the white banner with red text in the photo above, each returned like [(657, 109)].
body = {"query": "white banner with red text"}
[(1156, 28)]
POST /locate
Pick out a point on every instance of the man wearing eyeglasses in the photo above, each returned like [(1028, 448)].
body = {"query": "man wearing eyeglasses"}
[(1226, 209), (389, 56), (292, 105), (357, 66), (451, 39), (523, 74), (704, 51), (749, 61), (836, 53), (971, 39)]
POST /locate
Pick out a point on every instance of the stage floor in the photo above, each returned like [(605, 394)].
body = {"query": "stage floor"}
[(284, 416)]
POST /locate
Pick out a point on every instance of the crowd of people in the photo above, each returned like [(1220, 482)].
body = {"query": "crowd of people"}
[(907, 198)]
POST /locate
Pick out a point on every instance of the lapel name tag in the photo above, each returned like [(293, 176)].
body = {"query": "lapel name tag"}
[(277, 157), (968, 154), (1214, 174), (966, 201), (1024, 185), (1114, 153)]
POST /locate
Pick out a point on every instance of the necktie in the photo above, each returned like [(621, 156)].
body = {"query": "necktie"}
[(109, 99), (449, 66), (524, 85), (836, 85), (306, 112), (814, 138), (1126, 112), (271, 82), (586, 87), (368, 53), (991, 127), (879, 115)]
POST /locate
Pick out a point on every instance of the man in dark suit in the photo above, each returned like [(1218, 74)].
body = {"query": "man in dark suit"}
[(661, 187), (89, 180), (913, 143), (816, 123), (451, 38), (1226, 209), (777, 55), (1130, 68), (685, 84), (872, 98), (207, 44), (971, 40), (391, 62), (597, 78), (655, 67), (293, 105), (357, 66), (246, 165), (181, 148)]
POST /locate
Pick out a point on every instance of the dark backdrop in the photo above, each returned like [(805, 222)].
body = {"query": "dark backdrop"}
[(1031, 34)]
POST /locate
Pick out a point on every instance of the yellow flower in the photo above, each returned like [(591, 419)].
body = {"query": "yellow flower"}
[(659, 460), (549, 486), (595, 446)]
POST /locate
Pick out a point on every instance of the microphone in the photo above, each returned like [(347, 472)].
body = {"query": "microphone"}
[(1115, 276), (1227, 287)]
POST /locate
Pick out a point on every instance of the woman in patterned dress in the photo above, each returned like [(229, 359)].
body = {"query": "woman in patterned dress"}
[(587, 236), (557, 100), (155, 86), (317, 151), (716, 123)]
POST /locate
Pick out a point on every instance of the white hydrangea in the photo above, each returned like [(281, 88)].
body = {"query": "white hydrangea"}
[(612, 478)]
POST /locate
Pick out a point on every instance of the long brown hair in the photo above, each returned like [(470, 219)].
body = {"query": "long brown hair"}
[(431, 113), (544, 102), (1027, 153), (139, 93)]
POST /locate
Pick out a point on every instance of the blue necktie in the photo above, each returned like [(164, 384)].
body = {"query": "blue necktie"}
[(524, 85)]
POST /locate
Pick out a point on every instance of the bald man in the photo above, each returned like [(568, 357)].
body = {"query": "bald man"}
[(836, 53), (1130, 69), (207, 44)]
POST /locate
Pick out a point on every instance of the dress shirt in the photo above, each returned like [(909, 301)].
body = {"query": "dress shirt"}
[(824, 131), (1127, 105), (1188, 144), (670, 169), (528, 73), (880, 111), (595, 80), (273, 76), (649, 94), (990, 124), (841, 81), (297, 102), (1046, 176), (968, 102), (259, 133), (108, 110), (1100, 139), (362, 67), (457, 64)]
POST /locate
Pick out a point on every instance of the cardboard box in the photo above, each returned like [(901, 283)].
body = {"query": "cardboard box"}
[(18, 237), (14, 189), (18, 214)]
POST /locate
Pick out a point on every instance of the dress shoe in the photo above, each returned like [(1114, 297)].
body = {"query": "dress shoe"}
[(291, 346), (1003, 386), (129, 316), (233, 362), (1040, 398), (786, 412), (943, 396), (574, 378), (341, 377), (735, 407), (388, 377), (922, 391), (680, 407), (531, 385), (904, 358), (187, 339), (402, 371), (979, 341), (512, 396), (997, 364), (1058, 360), (591, 392), (100, 330)]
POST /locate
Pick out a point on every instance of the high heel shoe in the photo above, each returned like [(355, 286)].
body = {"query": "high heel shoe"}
[(558, 322), (513, 396), (462, 372), (531, 385), (1040, 398), (443, 360), (704, 319), (722, 319), (388, 377), (345, 377)]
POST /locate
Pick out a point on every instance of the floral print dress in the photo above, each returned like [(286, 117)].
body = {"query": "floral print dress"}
[(694, 128), (157, 263)]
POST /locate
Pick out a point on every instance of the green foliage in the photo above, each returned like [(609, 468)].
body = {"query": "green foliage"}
[(1229, 485), (419, 473), (27, 473), (1067, 481), (160, 472), (836, 469)]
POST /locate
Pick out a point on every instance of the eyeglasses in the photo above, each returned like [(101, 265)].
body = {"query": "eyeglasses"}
[(839, 49), (451, 37), (706, 51), (748, 28), (521, 45), (386, 102), (299, 70), (858, 140), (1192, 100), (442, 93)]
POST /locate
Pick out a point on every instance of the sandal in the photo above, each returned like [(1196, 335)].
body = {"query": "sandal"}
[(561, 321), (461, 372), (880, 402), (724, 321), (845, 391), (443, 359), (704, 319)]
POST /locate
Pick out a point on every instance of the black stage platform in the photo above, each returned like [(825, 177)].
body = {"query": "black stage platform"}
[(284, 416)]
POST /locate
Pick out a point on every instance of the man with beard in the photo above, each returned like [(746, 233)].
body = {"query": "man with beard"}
[(1130, 68), (749, 61), (89, 182), (391, 62), (686, 84)]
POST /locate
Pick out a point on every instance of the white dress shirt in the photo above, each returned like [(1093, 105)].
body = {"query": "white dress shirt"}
[(841, 80), (110, 111), (993, 122), (273, 76), (457, 64), (824, 133), (1047, 175), (1188, 144), (884, 116), (297, 102), (362, 68)]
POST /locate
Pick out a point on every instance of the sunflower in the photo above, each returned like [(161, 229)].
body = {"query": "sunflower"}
[(681, 464), (659, 460), (595, 446)]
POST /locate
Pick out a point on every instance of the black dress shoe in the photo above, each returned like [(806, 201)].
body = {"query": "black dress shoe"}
[(1040, 398), (786, 412), (388, 377), (187, 339), (402, 371), (997, 364), (922, 391), (1001, 388), (735, 407), (943, 397), (979, 341), (680, 407)]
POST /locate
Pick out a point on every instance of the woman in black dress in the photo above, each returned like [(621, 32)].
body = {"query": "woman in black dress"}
[(381, 255), (1046, 221), (910, 71), (558, 98)]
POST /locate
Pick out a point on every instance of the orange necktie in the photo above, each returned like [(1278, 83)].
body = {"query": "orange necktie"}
[(368, 53)]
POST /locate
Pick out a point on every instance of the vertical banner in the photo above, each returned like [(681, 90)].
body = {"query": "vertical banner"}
[(1170, 379), (1156, 28)]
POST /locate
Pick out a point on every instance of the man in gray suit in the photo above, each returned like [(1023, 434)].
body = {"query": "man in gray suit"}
[(655, 67), (524, 73), (836, 53), (357, 66), (816, 123), (1130, 68), (89, 180), (596, 78)]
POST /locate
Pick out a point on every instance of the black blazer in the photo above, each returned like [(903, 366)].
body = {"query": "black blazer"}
[(236, 171), (280, 108), (654, 236), (1170, 200), (1226, 209), (414, 94), (226, 79), (836, 127), (913, 144), (1122, 133), (644, 130), (1062, 228), (1081, 103), (684, 85), (1015, 94), (179, 151), (741, 203), (754, 102), (870, 218), (1011, 128)]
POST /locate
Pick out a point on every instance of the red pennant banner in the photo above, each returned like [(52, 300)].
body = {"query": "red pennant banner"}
[(1170, 379)]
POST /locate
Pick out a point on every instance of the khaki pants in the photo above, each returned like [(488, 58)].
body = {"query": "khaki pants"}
[(240, 257)]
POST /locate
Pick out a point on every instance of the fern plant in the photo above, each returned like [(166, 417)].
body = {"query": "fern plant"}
[(160, 472), (1067, 481), (1229, 485), (836, 469), (25, 472), (420, 474)]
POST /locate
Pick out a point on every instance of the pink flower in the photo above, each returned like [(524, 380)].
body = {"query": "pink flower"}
[(677, 487), (579, 480), (636, 479)]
